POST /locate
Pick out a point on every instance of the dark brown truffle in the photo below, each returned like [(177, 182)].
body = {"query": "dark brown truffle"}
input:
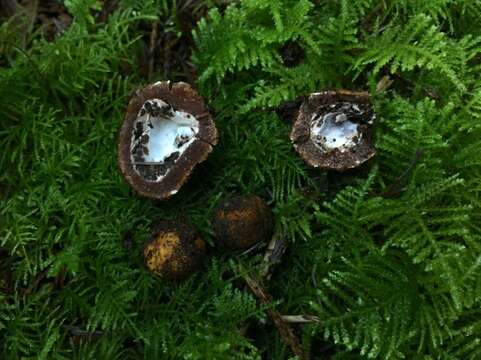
[(333, 130), (174, 251), (243, 221), (166, 132)]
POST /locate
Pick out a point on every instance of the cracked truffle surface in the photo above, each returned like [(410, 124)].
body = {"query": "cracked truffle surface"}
[(167, 130), (243, 221), (333, 130), (174, 251)]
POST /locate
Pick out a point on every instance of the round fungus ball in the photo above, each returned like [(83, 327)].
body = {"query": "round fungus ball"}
[(174, 251), (333, 130), (243, 221), (166, 132)]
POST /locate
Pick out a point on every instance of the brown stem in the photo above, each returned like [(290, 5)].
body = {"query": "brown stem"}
[(300, 319), (153, 41), (284, 329), (384, 84), (275, 250), (36, 282)]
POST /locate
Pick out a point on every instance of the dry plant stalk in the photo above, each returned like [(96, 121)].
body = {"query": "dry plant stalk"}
[(285, 330), (300, 319), (274, 251)]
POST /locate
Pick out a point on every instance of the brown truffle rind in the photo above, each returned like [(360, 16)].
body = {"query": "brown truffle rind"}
[(175, 250), (350, 107), (182, 98), (243, 221)]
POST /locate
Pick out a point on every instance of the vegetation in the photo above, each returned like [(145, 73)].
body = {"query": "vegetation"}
[(387, 256)]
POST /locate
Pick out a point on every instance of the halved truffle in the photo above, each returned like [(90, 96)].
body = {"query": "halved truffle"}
[(243, 221), (166, 132), (333, 130), (174, 251)]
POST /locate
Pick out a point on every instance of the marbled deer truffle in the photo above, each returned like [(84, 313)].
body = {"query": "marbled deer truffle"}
[(166, 132), (242, 221), (175, 250), (333, 130)]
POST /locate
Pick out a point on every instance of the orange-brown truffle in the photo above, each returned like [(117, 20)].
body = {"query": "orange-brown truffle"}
[(243, 221), (174, 251)]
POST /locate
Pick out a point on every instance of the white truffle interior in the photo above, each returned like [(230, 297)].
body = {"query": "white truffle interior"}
[(333, 131), (161, 134), (169, 135)]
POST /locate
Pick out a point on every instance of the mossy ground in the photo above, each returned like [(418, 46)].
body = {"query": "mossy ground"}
[(387, 256)]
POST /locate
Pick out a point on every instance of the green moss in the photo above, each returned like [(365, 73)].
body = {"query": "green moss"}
[(388, 256)]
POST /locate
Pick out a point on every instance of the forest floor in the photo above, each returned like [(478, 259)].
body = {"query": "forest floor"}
[(378, 262)]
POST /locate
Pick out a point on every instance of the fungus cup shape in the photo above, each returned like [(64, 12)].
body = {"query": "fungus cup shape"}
[(166, 132), (333, 130)]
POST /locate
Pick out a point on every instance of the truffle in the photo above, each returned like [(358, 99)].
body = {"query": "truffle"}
[(174, 251), (242, 221), (166, 132), (333, 130)]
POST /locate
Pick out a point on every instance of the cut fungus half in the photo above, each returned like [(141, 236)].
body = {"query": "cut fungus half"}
[(166, 132), (333, 130)]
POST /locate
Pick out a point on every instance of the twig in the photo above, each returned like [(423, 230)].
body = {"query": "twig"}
[(366, 21), (75, 330), (276, 248), (78, 334), (253, 248), (384, 83), (284, 329), (36, 282), (108, 8), (314, 283), (300, 319), (153, 41)]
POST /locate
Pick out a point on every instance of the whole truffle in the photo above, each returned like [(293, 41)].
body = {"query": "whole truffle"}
[(166, 132), (175, 250), (243, 221), (333, 130)]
